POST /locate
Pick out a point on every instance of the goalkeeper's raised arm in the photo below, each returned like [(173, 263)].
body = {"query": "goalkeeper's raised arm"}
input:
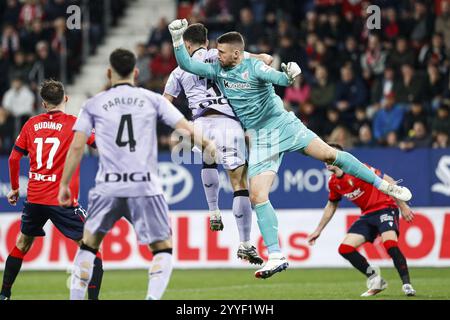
[(207, 70)]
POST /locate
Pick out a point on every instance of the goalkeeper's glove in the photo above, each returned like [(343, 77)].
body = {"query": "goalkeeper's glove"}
[(177, 28), (292, 70)]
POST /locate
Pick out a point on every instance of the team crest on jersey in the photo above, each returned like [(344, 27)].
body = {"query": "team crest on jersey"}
[(245, 75)]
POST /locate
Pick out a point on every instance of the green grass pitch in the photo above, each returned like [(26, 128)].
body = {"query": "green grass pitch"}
[(239, 284)]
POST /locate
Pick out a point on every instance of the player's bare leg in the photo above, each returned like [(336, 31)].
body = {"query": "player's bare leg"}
[(390, 244), (83, 264), (347, 250), (268, 223), (242, 211), (14, 263), (320, 150), (160, 269)]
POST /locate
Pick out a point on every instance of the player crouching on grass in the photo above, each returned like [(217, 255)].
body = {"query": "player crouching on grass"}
[(379, 216), (46, 139)]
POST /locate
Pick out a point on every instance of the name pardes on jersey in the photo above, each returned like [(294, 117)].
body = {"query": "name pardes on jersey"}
[(202, 93), (125, 120)]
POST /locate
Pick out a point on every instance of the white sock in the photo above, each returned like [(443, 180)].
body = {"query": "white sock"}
[(242, 211), (210, 181), (81, 274), (159, 275)]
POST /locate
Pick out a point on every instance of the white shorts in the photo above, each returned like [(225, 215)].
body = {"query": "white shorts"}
[(148, 215), (228, 136)]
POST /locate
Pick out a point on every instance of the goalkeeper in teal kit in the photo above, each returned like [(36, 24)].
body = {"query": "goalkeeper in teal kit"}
[(248, 86)]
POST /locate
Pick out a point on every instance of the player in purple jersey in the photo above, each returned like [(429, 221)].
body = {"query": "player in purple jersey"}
[(127, 184), (215, 117)]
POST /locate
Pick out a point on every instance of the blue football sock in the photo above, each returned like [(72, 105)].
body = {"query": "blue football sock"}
[(268, 226), (349, 164)]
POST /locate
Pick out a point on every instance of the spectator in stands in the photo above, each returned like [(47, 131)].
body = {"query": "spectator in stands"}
[(415, 114), (391, 26), (434, 53), (351, 53), (381, 87), (19, 101), (401, 55), (365, 137), (435, 86), (418, 138), (421, 24), (143, 64), (46, 66), (250, 30), (350, 93), (11, 13), (297, 94), (55, 9), (159, 35), (163, 64), (335, 31), (30, 38), (321, 56), (64, 44), (410, 86), (19, 68), (442, 24), (310, 116), (332, 120), (388, 118), (288, 50), (6, 132), (323, 90), (342, 136), (360, 120), (441, 140), (4, 72), (441, 121), (374, 59), (29, 12), (10, 41), (392, 140)]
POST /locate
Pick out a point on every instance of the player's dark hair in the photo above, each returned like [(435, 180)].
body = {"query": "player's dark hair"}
[(336, 146), (232, 37), (196, 33), (123, 62), (52, 92)]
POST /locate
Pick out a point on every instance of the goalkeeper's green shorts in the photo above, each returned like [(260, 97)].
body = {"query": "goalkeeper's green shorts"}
[(267, 146)]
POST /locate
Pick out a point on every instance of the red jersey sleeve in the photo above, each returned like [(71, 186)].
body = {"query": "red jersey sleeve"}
[(333, 196), (22, 142)]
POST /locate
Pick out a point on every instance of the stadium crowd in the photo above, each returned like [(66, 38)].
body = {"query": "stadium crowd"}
[(35, 44), (386, 87)]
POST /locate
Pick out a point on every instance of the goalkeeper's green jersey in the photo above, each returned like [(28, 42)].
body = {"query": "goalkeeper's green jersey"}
[(247, 86)]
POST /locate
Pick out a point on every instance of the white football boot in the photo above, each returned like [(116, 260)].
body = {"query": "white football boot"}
[(375, 284), (408, 290), (398, 192), (276, 263)]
